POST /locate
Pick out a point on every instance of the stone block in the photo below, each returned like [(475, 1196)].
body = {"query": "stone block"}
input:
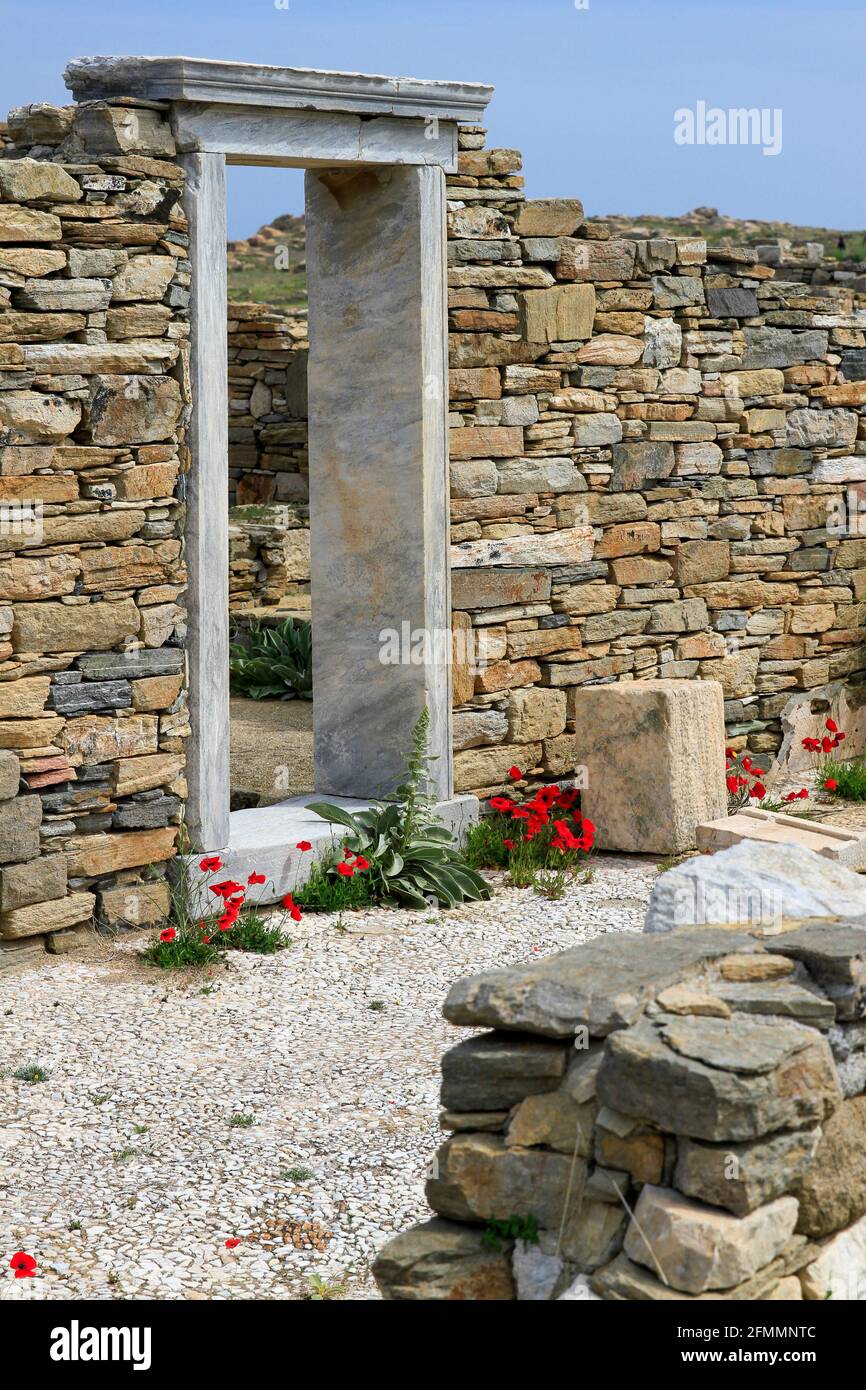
[(488, 767), (638, 462), (123, 130), (48, 917), (479, 1179), (495, 1071), (720, 1079), (132, 409), (562, 314), (20, 224), (733, 303), (442, 1260), (134, 904), (91, 856), (24, 950), (697, 1248), (60, 627), (742, 1177), (10, 774), (39, 881), (535, 714), (549, 217), (485, 441), (846, 847), (839, 1272), (832, 1190), (655, 756), (36, 181), (20, 819)]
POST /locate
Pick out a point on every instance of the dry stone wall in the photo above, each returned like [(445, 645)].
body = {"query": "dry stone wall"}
[(267, 353), (657, 452), (94, 402), (664, 1117)]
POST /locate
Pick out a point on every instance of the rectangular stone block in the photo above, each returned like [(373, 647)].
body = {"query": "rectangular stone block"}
[(485, 441), (89, 856), (61, 627), (655, 758), (562, 314), (10, 773), (20, 819), (39, 881), (46, 917), (134, 904)]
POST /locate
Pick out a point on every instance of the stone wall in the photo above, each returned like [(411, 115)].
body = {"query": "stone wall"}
[(267, 352), (646, 440), (269, 558), (679, 1116), (94, 285)]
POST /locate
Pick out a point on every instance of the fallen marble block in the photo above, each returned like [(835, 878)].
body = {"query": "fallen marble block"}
[(846, 847)]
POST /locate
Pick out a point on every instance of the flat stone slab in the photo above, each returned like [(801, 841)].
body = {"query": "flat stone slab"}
[(846, 847), (602, 985), (264, 840)]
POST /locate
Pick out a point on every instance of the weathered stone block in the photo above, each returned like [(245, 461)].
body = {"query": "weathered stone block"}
[(488, 767), (562, 314), (39, 881), (478, 1178), (132, 409), (60, 627), (134, 904), (535, 714), (655, 755), (741, 1177), (711, 1078), (635, 463), (442, 1260), (10, 773), (90, 856), (47, 917), (697, 1248), (832, 1190), (496, 1071), (20, 818), (549, 217)]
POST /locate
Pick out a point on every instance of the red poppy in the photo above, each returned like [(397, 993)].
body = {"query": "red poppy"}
[(747, 764), (804, 791), (501, 803), (344, 869), (228, 889), (508, 844), (295, 912), (24, 1265), (361, 864), (831, 784), (832, 726), (206, 940), (232, 1242), (812, 744), (288, 902), (758, 790), (515, 774), (168, 935), (211, 864), (257, 878), (731, 784), (303, 845)]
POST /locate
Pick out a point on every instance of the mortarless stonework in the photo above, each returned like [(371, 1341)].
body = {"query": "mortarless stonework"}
[(678, 1115), (647, 442), (94, 400)]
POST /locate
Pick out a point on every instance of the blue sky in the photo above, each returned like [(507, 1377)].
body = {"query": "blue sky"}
[(588, 95)]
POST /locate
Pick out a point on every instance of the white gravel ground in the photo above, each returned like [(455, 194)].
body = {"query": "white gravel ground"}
[(121, 1174)]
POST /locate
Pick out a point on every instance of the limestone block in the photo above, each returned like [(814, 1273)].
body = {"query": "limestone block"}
[(60, 943), (475, 477), (146, 771), (90, 856), (549, 217), (143, 278), (535, 1271), (832, 1190), (494, 1071), (477, 729), (132, 409), (770, 827), (551, 474), (485, 441), (742, 1177), (488, 767), (10, 774), (29, 417), (443, 1260), (611, 350), (700, 562), (36, 181), (94, 738), (478, 1178), (46, 917), (655, 757), (29, 733), (553, 1121), (570, 546), (562, 314), (824, 429), (839, 1273), (71, 296), (590, 431), (25, 698), (697, 1248), (20, 818), (40, 123), (39, 881), (536, 714), (720, 1079), (123, 130), (47, 577), (782, 347), (664, 343), (60, 627), (18, 223), (134, 904)]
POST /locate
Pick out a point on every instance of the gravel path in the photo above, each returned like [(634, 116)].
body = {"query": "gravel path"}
[(121, 1173)]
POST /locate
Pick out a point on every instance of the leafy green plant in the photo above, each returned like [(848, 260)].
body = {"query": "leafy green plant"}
[(848, 779), (277, 662), (252, 933), (239, 1121), (299, 1174), (321, 1291), (404, 855), (512, 1228), (32, 1072)]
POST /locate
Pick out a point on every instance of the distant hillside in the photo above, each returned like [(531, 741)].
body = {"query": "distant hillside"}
[(270, 267)]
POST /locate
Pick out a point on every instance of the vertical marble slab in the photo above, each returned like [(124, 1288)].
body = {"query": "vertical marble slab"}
[(378, 472), (207, 547)]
